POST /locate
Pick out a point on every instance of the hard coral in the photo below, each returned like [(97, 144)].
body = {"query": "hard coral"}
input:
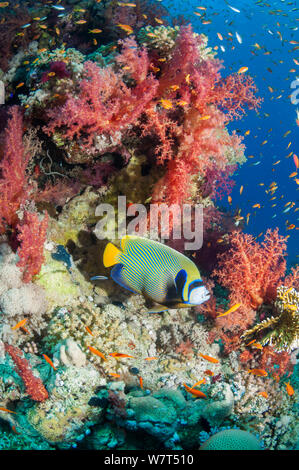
[(232, 439)]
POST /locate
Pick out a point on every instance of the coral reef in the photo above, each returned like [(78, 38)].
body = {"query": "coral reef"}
[(106, 99)]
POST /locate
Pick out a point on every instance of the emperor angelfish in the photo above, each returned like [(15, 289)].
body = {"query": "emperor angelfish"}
[(156, 271)]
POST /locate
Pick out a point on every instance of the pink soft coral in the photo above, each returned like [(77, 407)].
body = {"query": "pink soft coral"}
[(250, 270), (14, 186), (105, 105), (32, 237)]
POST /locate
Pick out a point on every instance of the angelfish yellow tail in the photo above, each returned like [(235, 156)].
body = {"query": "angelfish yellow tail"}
[(111, 254)]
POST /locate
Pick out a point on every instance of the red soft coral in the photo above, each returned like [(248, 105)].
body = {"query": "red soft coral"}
[(276, 362), (32, 237), (202, 103), (250, 270), (14, 187), (34, 385), (202, 145)]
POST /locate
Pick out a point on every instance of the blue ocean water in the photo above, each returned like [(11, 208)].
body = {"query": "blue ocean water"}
[(271, 25)]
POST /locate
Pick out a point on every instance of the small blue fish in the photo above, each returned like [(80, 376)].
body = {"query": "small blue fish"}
[(156, 271)]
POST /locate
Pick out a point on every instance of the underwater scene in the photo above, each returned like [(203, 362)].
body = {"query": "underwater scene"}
[(149, 277)]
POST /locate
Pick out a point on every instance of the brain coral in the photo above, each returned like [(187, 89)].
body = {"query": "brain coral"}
[(232, 439)]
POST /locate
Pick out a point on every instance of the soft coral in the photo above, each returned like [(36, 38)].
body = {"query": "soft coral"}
[(193, 138), (14, 186), (250, 270), (105, 104)]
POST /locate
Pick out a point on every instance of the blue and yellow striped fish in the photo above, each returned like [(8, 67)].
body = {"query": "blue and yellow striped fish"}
[(157, 271)]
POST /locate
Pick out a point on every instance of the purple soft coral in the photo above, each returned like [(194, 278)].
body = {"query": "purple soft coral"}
[(57, 69)]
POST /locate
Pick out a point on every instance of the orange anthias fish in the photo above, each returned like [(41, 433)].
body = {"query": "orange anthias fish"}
[(193, 391), (20, 324), (243, 70), (289, 389), (264, 394), (258, 372), (202, 381), (141, 382), (232, 309), (49, 361), (7, 411), (209, 358), (257, 345), (150, 358), (113, 374), (15, 430), (125, 27), (96, 352), (116, 355), (209, 372), (88, 330), (166, 104)]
